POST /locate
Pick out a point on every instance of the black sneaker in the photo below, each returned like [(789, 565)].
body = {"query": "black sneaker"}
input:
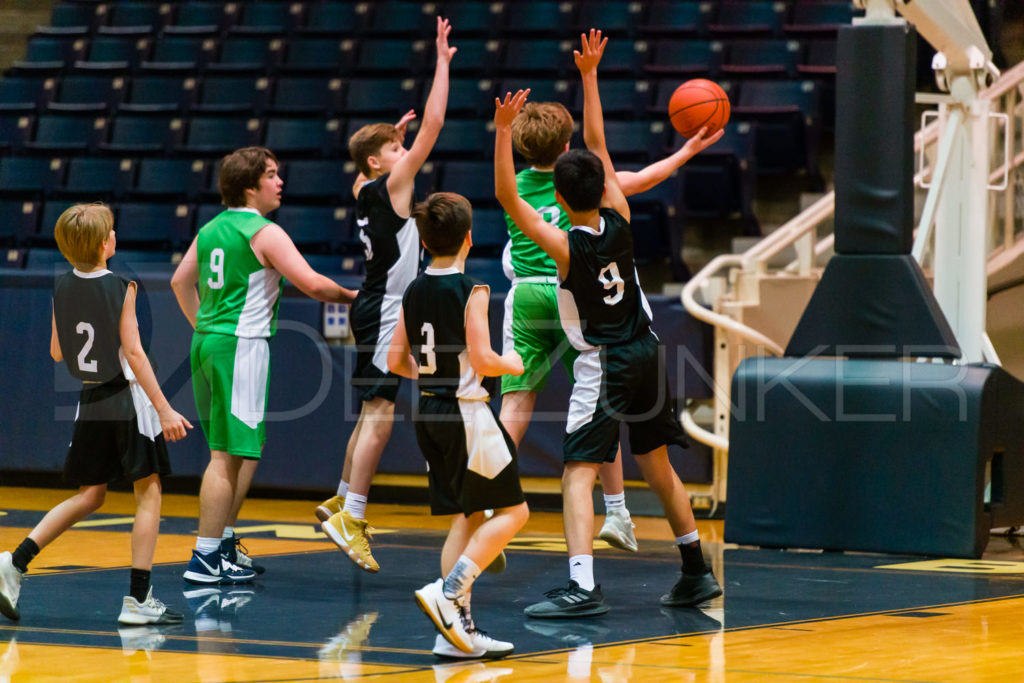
[(569, 602), (690, 591)]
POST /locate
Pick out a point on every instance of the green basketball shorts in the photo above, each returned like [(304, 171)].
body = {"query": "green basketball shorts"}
[(532, 327)]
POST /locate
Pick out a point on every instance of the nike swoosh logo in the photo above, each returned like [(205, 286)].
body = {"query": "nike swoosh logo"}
[(345, 534), (213, 570), (446, 624)]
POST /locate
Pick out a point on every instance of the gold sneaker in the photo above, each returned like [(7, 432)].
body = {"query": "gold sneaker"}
[(331, 506), (353, 536)]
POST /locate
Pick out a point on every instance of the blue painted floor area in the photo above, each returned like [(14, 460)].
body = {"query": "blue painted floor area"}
[(318, 605)]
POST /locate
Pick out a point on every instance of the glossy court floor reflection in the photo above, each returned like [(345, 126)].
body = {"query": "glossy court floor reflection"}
[(314, 616)]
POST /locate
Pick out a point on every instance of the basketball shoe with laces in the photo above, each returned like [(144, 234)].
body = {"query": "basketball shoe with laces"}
[(617, 530), (150, 611), (331, 506), (569, 602), (353, 536), (449, 615), (10, 587)]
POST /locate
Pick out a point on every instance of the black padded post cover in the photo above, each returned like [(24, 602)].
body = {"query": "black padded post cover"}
[(873, 306), (875, 119), (879, 456)]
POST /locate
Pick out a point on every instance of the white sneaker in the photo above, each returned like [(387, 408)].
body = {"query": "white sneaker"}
[(10, 587), (145, 638), (149, 611), (618, 530), (449, 616), (484, 647)]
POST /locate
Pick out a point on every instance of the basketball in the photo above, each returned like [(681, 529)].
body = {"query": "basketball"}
[(698, 103)]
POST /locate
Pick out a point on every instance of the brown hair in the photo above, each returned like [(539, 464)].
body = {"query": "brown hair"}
[(240, 171), (368, 141), (443, 220), (541, 131), (80, 232)]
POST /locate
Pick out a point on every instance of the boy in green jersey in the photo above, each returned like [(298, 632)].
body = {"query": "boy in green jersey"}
[(541, 132), (237, 260)]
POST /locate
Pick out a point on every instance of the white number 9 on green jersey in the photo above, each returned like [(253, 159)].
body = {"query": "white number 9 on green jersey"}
[(217, 268)]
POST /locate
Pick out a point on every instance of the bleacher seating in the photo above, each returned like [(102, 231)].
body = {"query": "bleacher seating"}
[(132, 102)]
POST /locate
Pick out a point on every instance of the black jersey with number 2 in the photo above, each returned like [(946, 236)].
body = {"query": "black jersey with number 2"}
[(434, 309), (600, 301), (87, 310)]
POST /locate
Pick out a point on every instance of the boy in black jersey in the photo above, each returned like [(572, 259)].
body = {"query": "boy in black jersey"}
[(442, 339), (619, 372), (123, 417), (388, 232)]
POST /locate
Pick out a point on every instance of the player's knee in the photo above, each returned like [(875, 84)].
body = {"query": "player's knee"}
[(93, 497)]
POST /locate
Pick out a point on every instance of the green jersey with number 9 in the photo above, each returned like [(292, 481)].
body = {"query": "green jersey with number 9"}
[(238, 295), (537, 188)]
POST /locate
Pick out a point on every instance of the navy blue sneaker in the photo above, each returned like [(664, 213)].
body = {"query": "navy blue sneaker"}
[(214, 568), (235, 552)]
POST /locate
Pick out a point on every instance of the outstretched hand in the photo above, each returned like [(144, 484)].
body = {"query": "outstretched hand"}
[(505, 112), (699, 143), (443, 51), (403, 123), (592, 49)]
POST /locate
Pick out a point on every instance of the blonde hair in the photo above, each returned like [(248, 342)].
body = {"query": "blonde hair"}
[(80, 232), (541, 131), (368, 141)]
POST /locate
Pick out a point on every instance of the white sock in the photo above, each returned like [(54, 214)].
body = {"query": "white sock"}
[(581, 570), (342, 488), (355, 505), (460, 579), (616, 501), (229, 531), (689, 538), (206, 545)]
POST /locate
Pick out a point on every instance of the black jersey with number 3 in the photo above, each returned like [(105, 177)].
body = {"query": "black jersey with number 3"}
[(600, 301), (434, 309), (87, 310)]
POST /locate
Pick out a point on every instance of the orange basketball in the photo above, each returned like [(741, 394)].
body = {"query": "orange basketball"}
[(696, 104)]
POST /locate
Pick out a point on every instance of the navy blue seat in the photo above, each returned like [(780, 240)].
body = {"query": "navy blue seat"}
[(541, 18), (97, 178), (819, 59), (44, 238), (489, 271), (464, 139), (60, 133), (490, 232), (749, 18), (248, 54), (179, 180), (152, 226), (541, 57), (112, 53), (315, 181), (73, 14), (687, 58), (131, 261), (400, 18), (232, 94), (478, 56), (474, 18), (472, 179), (15, 131), (313, 228), (335, 18), (49, 52), (303, 136), (469, 96), (392, 55), (179, 53), (132, 13), (787, 125), (541, 90), (21, 219), (204, 213), (719, 182), (627, 98), (155, 94), (821, 17), (131, 134), (639, 141), (318, 55), (13, 259), (764, 58), (87, 94), (267, 18), (23, 94), (204, 15), (307, 95), (389, 97), (676, 19), (624, 58), (614, 18), (43, 259), (214, 135)]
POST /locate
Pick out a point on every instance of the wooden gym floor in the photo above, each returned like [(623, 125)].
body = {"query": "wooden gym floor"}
[(785, 616)]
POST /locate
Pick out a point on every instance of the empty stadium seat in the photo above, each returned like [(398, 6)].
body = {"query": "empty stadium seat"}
[(690, 58), (232, 94), (131, 134), (315, 55), (67, 133), (155, 94), (179, 180), (21, 219), (392, 55), (315, 181), (313, 228), (152, 226), (303, 136), (208, 135), (307, 95), (750, 18), (390, 97), (87, 94), (464, 139), (96, 178), (763, 58), (23, 94), (676, 18)]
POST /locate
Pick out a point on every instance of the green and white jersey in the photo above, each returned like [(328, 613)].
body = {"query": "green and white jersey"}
[(238, 295), (537, 188)]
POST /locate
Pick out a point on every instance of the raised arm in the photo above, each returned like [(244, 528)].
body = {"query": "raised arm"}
[(482, 357), (172, 423), (403, 174), (553, 241), (277, 251), (635, 182), (184, 281), (587, 58), (400, 360)]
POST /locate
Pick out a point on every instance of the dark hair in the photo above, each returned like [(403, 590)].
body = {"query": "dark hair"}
[(240, 171), (368, 141), (443, 220), (579, 178), (541, 131)]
